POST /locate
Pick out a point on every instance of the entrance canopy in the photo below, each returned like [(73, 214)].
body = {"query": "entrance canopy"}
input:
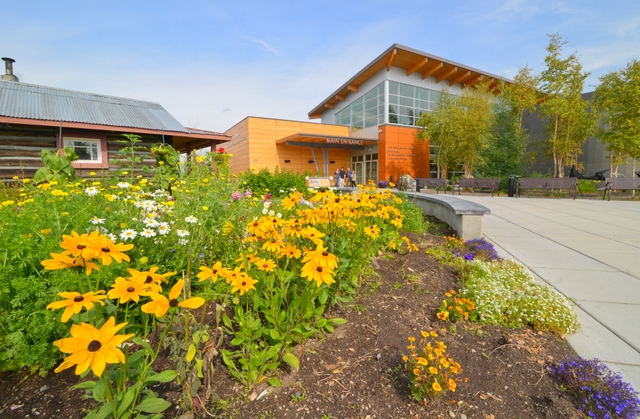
[(325, 142)]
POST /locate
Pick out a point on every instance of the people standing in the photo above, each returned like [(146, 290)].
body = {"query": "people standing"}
[(342, 174), (336, 177), (349, 177)]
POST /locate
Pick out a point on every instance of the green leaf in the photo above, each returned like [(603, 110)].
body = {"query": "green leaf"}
[(273, 381), (321, 322), (126, 400), (153, 405), (337, 320), (275, 335), (329, 327), (101, 413), (84, 385), (191, 352), (292, 360), (99, 391), (164, 376)]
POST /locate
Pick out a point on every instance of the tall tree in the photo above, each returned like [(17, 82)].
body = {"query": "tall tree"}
[(521, 95), (617, 100), (438, 127), (568, 122)]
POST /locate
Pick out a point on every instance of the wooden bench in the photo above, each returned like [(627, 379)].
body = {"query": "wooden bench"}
[(620, 184), (492, 183), (431, 183), (570, 183)]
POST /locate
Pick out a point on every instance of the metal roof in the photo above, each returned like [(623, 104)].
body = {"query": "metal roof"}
[(21, 100)]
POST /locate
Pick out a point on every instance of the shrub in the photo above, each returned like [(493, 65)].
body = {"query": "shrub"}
[(414, 220), (506, 293), (278, 184), (599, 392)]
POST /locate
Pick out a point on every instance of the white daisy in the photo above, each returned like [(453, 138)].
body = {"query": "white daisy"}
[(96, 220), (279, 215), (163, 228), (150, 222), (91, 191), (265, 211), (112, 237), (183, 242), (147, 232), (191, 219), (183, 233), (123, 185), (272, 213), (128, 234)]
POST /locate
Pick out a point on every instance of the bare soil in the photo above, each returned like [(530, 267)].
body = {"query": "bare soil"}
[(357, 372)]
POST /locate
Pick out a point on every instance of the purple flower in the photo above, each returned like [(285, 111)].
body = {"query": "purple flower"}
[(469, 256), (236, 196), (248, 193)]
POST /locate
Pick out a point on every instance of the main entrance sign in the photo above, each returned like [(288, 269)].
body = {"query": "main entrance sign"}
[(344, 141)]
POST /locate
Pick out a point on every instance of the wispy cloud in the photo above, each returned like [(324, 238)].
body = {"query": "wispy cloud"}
[(263, 44)]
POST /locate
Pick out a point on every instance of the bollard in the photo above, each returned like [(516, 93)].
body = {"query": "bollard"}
[(511, 186), (418, 184)]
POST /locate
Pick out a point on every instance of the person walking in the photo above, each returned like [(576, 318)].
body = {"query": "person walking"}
[(336, 177)]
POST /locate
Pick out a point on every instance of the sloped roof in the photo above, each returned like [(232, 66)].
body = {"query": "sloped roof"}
[(22, 100), (413, 61)]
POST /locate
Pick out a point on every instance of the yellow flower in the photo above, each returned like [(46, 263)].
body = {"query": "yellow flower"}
[(372, 231), (313, 270), (126, 290), (75, 301), (60, 261), (105, 250), (420, 360), (91, 347), (212, 273), (433, 370), (151, 278), (227, 228), (243, 283), (322, 257), (416, 371), (266, 265), (442, 315), (424, 334), (161, 304), (434, 334), (77, 245), (436, 387)]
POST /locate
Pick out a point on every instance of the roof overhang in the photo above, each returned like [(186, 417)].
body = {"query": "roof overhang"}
[(193, 139), (302, 139), (413, 61)]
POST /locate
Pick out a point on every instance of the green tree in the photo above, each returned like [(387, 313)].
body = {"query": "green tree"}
[(521, 95), (617, 100), (438, 127), (568, 122)]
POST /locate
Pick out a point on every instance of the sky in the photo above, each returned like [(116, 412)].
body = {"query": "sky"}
[(213, 63)]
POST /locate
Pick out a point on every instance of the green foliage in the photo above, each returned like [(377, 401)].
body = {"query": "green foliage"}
[(588, 186), (278, 184), (128, 156), (167, 165), (414, 220), (58, 166)]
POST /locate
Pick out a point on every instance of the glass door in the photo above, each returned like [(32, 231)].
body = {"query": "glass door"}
[(357, 168), (371, 169)]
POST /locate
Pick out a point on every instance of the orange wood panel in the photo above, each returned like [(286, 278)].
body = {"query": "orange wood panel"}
[(401, 152)]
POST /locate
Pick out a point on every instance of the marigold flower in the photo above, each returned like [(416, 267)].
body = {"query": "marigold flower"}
[(433, 370), (74, 301), (451, 385), (91, 347), (161, 304), (416, 371), (243, 283), (442, 315), (422, 361), (436, 387), (130, 289)]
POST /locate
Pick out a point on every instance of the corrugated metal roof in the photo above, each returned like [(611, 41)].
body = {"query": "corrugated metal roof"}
[(21, 100)]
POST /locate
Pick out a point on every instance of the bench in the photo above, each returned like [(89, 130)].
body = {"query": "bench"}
[(570, 183), (465, 217), (492, 183), (620, 184), (431, 183)]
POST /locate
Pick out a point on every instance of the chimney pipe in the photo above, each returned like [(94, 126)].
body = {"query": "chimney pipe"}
[(8, 63)]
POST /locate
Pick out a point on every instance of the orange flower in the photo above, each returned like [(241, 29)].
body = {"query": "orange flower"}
[(451, 385), (243, 283), (436, 387), (75, 301), (106, 250), (130, 289), (314, 271), (161, 304), (61, 261), (212, 273)]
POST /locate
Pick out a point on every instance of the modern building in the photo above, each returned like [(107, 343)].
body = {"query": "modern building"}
[(368, 123), (34, 117)]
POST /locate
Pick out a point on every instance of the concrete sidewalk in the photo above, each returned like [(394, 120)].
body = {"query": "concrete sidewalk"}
[(590, 251)]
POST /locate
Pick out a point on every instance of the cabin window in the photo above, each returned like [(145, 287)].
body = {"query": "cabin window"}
[(87, 149)]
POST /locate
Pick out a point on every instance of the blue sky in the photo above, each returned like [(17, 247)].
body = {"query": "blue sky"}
[(212, 63)]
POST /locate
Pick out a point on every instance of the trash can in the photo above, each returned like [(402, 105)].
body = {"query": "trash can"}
[(418, 184), (511, 187)]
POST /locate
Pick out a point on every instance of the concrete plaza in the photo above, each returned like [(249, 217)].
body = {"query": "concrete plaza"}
[(589, 250)]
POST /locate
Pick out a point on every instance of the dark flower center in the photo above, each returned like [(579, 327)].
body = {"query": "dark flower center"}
[(78, 298), (256, 224), (214, 271), (337, 200), (94, 345), (81, 246), (244, 283), (131, 289), (106, 249), (265, 265), (319, 269), (173, 303), (149, 279), (325, 253)]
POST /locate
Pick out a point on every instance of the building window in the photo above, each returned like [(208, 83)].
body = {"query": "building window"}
[(407, 103), (87, 149), (366, 111)]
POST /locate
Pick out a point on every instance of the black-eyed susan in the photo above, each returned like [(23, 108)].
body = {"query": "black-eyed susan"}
[(74, 301), (266, 265), (314, 271), (60, 261), (243, 283), (231, 275), (290, 251), (129, 289), (212, 273), (372, 231), (77, 245), (250, 258), (92, 348), (151, 277), (161, 304), (105, 249), (321, 256), (272, 245)]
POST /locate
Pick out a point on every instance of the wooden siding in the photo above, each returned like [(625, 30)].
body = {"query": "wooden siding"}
[(401, 152), (253, 145)]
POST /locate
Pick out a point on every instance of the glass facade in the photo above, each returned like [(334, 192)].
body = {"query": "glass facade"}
[(367, 111), (407, 103)]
